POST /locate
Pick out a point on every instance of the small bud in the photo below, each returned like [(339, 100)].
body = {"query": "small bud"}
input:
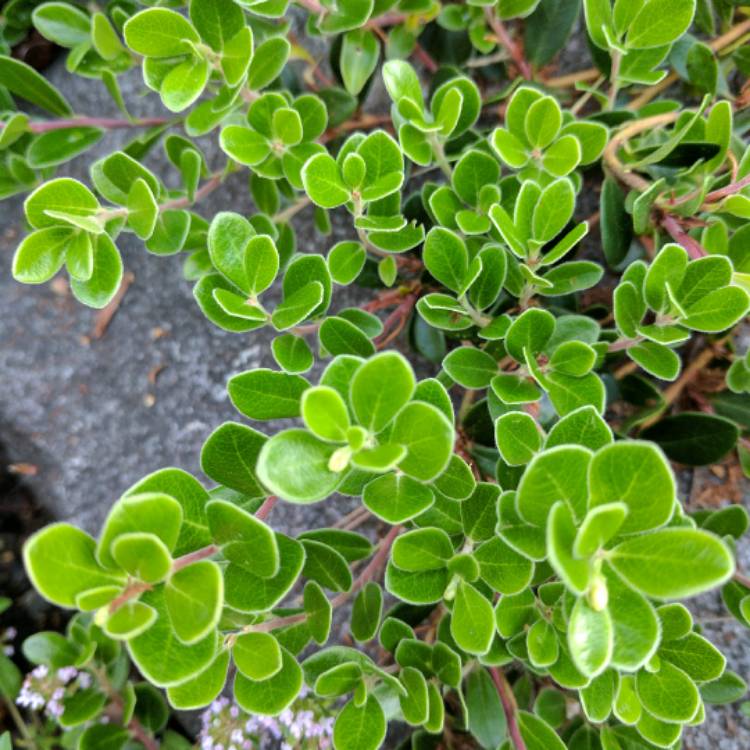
[(339, 460), (598, 595)]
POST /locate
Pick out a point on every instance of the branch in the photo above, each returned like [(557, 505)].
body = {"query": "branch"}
[(510, 708), (106, 123), (206, 189), (672, 393), (612, 160), (730, 189), (368, 573), (694, 248), (505, 40), (193, 557)]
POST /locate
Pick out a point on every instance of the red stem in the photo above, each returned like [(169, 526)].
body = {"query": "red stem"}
[(194, 557), (731, 189), (368, 572), (505, 39), (692, 246), (206, 189), (510, 708), (263, 512), (93, 122)]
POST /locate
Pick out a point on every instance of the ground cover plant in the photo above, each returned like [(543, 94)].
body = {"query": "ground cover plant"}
[(564, 256)]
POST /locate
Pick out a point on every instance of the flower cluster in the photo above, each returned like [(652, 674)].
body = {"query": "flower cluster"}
[(46, 689), (305, 725), (7, 636)]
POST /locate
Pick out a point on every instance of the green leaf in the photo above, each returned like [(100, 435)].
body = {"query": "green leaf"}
[(563, 156), (656, 359), (542, 122), (271, 696), (569, 394), (727, 689), (583, 426), (323, 182), (396, 498), (472, 620), (229, 455), (718, 310), (637, 474), (616, 224), (257, 655), (659, 22), (673, 563), (244, 145), (426, 587), (130, 620), (247, 592), (318, 610), (359, 58), (601, 523), (194, 598), (63, 196), (143, 210), (339, 336), (98, 290), (292, 353), (502, 567), (346, 261), (41, 254), (422, 549), (445, 257), (160, 656), (191, 496), (244, 539), (367, 612), (472, 172), (24, 82), (326, 566), (470, 367), (339, 680), (428, 437), (574, 358), (159, 32), (590, 638), (696, 656), (530, 331), (143, 556), (61, 563), (280, 461), (268, 61), (380, 388), (149, 512), (62, 23), (325, 413), (694, 438), (415, 704), (58, 146), (201, 690), (298, 305), (553, 210), (184, 84), (542, 644), (360, 728), (518, 437), (265, 394), (486, 719), (668, 694), (575, 572), (555, 474), (401, 82), (217, 21)]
